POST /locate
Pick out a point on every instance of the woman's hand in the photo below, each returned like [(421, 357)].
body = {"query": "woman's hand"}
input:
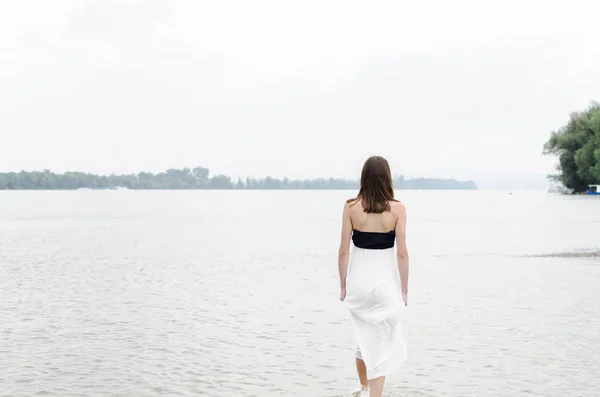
[(405, 297), (343, 294)]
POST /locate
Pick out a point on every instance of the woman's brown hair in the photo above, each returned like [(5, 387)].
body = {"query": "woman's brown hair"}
[(376, 190)]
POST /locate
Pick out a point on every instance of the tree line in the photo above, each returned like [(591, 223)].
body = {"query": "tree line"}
[(577, 146), (198, 178)]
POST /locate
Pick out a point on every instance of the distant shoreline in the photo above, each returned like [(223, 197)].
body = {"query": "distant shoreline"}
[(228, 190), (198, 178)]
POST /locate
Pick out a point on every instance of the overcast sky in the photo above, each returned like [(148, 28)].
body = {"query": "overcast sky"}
[(461, 89)]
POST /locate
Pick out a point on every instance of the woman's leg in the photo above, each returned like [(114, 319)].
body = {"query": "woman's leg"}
[(361, 369), (376, 386)]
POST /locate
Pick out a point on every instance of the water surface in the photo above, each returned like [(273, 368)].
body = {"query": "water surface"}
[(235, 293)]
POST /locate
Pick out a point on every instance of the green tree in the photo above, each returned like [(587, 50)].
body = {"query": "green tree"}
[(577, 146), (202, 177), (220, 182)]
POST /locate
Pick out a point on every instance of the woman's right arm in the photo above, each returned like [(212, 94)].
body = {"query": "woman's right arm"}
[(402, 251), (344, 249)]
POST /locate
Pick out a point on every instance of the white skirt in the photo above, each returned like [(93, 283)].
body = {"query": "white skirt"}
[(374, 299)]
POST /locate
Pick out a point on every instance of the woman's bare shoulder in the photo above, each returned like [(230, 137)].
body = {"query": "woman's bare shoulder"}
[(350, 202), (397, 208)]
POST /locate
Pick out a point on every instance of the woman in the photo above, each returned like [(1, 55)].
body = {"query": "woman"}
[(374, 281)]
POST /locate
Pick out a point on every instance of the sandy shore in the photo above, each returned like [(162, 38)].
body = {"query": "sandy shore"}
[(575, 254)]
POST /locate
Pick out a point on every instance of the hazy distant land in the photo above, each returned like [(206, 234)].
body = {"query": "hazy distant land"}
[(198, 178)]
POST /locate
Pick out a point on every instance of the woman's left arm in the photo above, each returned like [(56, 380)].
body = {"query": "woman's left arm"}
[(344, 250)]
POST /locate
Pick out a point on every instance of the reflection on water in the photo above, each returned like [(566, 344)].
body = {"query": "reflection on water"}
[(132, 293)]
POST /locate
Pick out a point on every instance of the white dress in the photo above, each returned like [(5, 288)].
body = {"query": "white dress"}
[(374, 299)]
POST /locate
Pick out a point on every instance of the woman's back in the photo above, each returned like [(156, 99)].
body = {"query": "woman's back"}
[(373, 223)]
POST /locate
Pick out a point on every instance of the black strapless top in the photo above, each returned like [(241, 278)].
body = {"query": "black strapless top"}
[(373, 240)]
